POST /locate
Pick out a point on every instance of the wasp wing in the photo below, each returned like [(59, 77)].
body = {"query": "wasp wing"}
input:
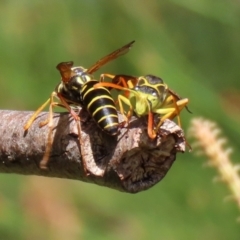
[(117, 53)]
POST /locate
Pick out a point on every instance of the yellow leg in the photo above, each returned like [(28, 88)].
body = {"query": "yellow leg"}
[(49, 121), (121, 100), (45, 159), (33, 117), (105, 75), (54, 104), (171, 101), (171, 111)]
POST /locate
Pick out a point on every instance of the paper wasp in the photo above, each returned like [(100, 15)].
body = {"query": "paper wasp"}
[(145, 95), (76, 90)]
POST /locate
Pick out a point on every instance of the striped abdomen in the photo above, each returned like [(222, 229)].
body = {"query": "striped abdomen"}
[(101, 107)]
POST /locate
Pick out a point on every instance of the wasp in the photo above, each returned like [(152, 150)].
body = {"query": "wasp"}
[(76, 90), (145, 95)]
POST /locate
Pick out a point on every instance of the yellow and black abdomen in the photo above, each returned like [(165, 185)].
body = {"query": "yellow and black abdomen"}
[(101, 106)]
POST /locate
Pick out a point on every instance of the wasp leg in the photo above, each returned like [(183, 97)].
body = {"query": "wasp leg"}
[(151, 133), (121, 100), (178, 104), (47, 121), (105, 75), (54, 104), (78, 122), (171, 111), (45, 159), (116, 79), (33, 117), (124, 81)]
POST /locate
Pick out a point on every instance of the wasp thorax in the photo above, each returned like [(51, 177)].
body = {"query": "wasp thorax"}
[(151, 79), (79, 78)]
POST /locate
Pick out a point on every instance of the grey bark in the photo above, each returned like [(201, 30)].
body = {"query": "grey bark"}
[(129, 162)]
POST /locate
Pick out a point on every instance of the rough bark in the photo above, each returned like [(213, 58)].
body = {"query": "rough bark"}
[(129, 162)]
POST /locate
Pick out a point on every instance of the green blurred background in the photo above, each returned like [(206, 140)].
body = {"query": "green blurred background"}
[(193, 45)]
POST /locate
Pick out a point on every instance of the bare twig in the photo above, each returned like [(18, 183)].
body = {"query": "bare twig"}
[(130, 162)]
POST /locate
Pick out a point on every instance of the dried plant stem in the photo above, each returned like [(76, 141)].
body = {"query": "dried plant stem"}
[(129, 162), (208, 139)]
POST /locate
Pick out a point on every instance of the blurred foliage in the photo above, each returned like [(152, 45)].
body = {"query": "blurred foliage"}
[(193, 45)]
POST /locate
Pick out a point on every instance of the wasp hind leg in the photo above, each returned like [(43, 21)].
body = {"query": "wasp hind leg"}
[(78, 123), (170, 112), (49, 121)]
